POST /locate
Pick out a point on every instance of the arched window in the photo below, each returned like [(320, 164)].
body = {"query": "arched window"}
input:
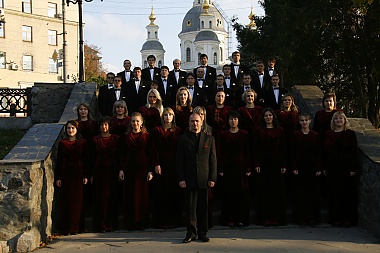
[(221, 54), (210, 24), (199, 60), (145, 64), (188, 54), (155, 35), (159, 64), (199, 1), (148, 35), (202, 24), (215, 58)]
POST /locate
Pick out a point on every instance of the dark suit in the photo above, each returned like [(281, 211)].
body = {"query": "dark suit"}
[(168, 97), (196, 165), (181, 80), (256, 85), (199, 97), (206, 87), (276, 70), (123, 77), (102, 99), (145, 74), (210, 74), (108, 98), (270, 98), (239, 78), (135, 99)]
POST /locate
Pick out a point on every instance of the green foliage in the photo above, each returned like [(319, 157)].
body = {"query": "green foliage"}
[(334, 44)]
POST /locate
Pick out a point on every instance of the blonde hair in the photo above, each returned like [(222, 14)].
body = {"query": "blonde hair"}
[(188, 102), (245, 94), (137, 114), (293, 107), (336, 115), (123, 104), (158, 105), (170, 111)]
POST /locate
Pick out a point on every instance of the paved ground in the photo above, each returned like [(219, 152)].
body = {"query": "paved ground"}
[(252, 239)]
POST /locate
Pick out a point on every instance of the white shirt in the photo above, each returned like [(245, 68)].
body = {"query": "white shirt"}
[(276, 94), (228, 82), (165, 82), (117, 93), (236, 68), (137, 83), (200, 83), (261, 78), (176, 73), (127, 75), (151, 73), (191, 91)]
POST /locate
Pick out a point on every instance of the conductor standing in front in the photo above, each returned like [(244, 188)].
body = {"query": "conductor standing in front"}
[(196, 171)]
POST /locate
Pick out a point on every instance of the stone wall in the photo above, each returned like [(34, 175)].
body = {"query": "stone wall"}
[(49, 101), (27, 179)]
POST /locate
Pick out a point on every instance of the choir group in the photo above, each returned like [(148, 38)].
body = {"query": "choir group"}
[(268, 156)]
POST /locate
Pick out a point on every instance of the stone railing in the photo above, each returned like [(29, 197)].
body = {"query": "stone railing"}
[(27, 179), (309, 99)]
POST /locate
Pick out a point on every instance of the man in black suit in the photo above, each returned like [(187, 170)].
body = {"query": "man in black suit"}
[(209, 72), (198, 96), (151, 72), (114, 94), (177, 75), (272, 69), (167, 88), (103, 95), (230, 84), (137, 90), (204, 84), (272, 96), (237, 69), (247, 84), (127, 74), (260, 82), (196, 171)]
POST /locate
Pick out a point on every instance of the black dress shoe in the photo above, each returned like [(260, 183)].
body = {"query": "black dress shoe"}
[(203, 237), (189, 238)]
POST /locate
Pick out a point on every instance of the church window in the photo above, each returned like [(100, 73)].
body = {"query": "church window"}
[(155, 35), (215, 58), (199, 60), (159, 64), (221, 54), (199, 1), (202, 24), (148, 35), (145, 64), (188, 54), (210, 24), (188, 22), (217, 22)]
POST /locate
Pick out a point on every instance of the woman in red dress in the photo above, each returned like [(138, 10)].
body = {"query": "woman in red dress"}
[(217, 115), (71, 175), (183, 109), (166, 192), (340, 163), (288, 117), (235, 167), (270, 164), (104, 177), (322, 121), (120, 119), (134, 170), (88, 127), (250, 114), (306, 168), (152, 111)]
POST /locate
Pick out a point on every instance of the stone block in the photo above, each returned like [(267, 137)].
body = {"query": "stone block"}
[(28, 241)]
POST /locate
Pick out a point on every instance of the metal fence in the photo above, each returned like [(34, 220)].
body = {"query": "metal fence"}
[(16, 101)]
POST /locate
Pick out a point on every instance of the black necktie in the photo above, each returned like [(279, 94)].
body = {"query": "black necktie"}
[(118, 89), (227, 77), (164, 80), (176, 70), (276, 88), (260, 74), (220, 88), (190, 87), (200, 79)]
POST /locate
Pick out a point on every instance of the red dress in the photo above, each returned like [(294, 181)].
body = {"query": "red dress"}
[(235, 163), (135, 167), (270, 155), (105, 178), (306, 154), (88, 129), (182, 117), (250, 118), (167, 194), (340, 158), (151, 117), (119, 126), (71, 169), (322, 122)]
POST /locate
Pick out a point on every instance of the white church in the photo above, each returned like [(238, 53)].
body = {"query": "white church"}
[(203, 32)]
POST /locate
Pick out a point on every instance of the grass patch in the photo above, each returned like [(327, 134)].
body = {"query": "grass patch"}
[(8, 139)]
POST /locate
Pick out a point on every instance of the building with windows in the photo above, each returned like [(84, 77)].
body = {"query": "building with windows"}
[(31, 42), (203, 32), (152, 45)]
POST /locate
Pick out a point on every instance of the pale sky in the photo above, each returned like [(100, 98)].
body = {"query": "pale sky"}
[(118, 26)]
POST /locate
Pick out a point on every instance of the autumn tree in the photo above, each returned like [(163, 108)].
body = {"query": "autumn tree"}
[(93, 67)]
